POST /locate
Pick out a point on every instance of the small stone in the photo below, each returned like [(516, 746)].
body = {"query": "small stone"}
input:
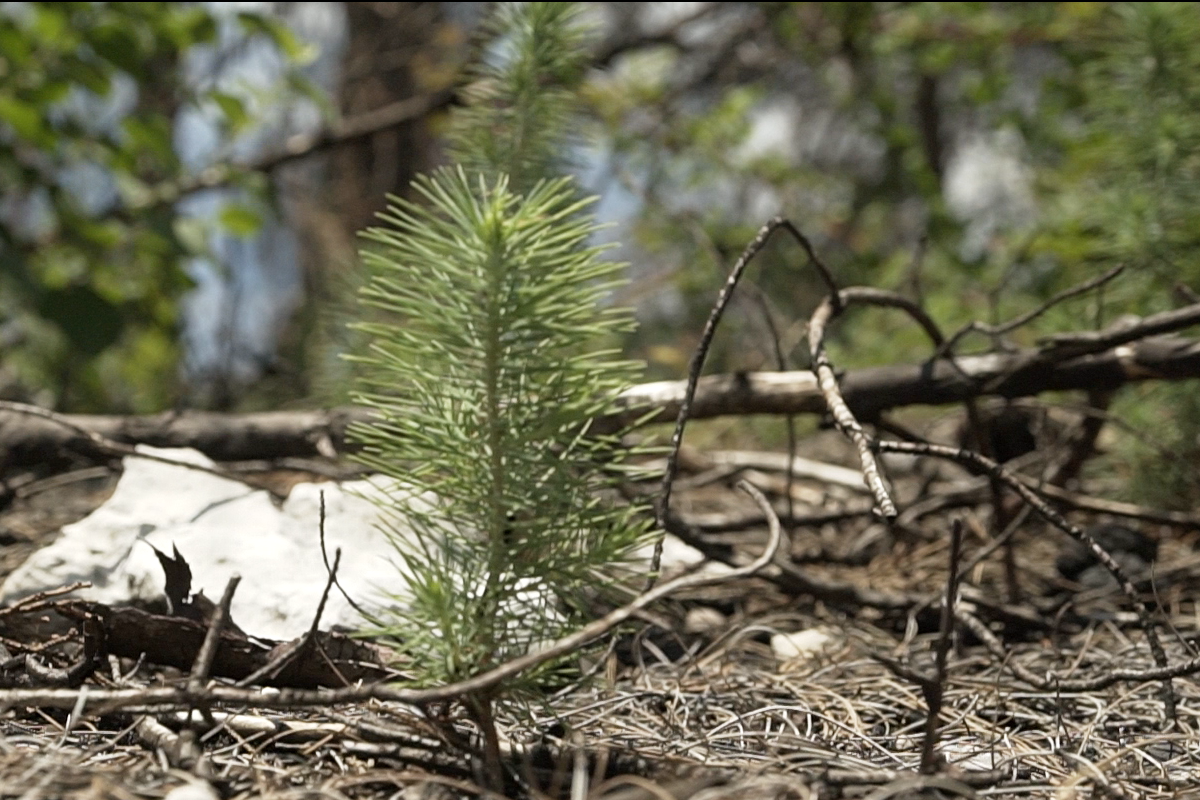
[(703, 619), (196, 790), (801, 645)]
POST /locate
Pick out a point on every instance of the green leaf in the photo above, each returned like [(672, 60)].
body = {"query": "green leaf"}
[(49, 22), (26, 120), (120, 45), (279, 34), (233, 108), (192, 234), (190, 25), (91, 323), (149, 134), (93, 76), (16, 48), (240, 219), (102, 235)]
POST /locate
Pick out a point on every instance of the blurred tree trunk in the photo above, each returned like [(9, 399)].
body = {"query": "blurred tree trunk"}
[(394, 51)]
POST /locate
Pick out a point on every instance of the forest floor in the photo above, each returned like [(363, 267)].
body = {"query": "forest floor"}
[(808, 682)]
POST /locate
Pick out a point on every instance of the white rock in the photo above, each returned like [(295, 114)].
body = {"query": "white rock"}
[(222, 527), (704, 619), (677, 556), (802, 645), (193, 790)]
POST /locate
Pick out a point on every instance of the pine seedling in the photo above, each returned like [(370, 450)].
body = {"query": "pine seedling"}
[(484, 382), (520, 113), (485, 368)]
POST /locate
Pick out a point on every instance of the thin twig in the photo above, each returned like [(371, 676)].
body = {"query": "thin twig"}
[(781, 364), (1044, 510), (44, 599), (208, 650), (1052, 682), (273, 667), (914, 268), (936, 690), (977, 558), (302, 145), (1069, 345), (331, 571), (843, 417), (995, 331), (701, 353)]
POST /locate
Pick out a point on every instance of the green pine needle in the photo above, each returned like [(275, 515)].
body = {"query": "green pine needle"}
[(521, 101), (486, 359), (485, 375)]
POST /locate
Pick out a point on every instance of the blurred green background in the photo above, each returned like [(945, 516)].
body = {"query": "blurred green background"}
[(181, 185)]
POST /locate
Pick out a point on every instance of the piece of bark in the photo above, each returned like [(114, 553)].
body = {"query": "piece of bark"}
[(174, 642)]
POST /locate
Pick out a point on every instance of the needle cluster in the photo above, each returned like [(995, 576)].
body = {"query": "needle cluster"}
[(489, 356)]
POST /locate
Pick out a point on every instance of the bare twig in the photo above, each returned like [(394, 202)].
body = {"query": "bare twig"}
[(992, 469), (301, 645), (972, 491), (933, 687), (936, 689), (843, 417), (995, 331), (697, 363), (303, 145), (331, 570), (792, 579), (1053, 682), (781, 364), (1069, 345), (212, 639), (670, 35), (914, 268), (44, 599)]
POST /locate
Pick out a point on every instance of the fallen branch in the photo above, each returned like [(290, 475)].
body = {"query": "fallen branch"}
[(867, 392), (870, 391)]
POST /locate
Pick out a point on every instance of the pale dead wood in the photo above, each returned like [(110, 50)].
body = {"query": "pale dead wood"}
[(867, 392)]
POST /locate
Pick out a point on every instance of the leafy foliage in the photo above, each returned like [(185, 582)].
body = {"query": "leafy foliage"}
[(91, 251), (1029, 146), (1127, 177), (849, 118)]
